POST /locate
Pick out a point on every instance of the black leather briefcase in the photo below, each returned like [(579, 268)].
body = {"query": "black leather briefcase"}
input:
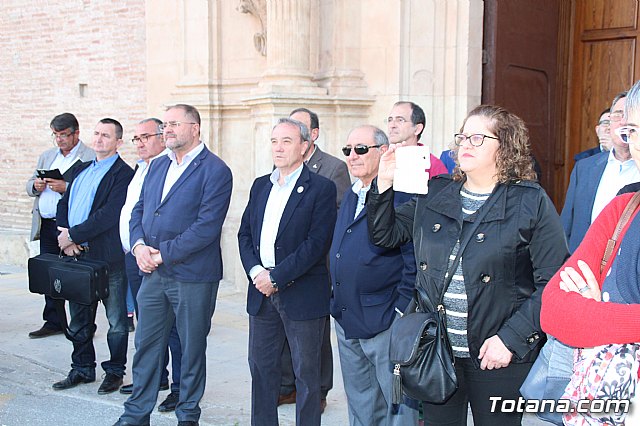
[(75, 279)]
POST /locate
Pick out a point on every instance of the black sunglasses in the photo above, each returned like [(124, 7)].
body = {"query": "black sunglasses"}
[(359, 149)]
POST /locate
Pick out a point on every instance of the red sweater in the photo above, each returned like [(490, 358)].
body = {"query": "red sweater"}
[(581, 322), (437, 167)]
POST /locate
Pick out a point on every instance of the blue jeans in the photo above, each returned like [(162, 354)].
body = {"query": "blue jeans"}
[(82, 328), (267, 331)]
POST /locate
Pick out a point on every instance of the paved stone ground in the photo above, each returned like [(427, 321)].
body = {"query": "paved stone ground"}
[(28, 368)]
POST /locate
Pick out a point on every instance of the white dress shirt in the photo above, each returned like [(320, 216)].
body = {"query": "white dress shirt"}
[(133, 195), (277, 201), (616, 175), (176, 170)]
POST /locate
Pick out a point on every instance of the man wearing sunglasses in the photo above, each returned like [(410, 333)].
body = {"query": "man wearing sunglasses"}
[(328, 166), (149, 143), (596, 180), (405, 123), (370, 285), (46, 192)]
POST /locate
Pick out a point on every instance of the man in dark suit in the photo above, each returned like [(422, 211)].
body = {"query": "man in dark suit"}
[(370, 286), (604, 137), (46, 193), (87, 219), (175, 231), (596, 180), (284, 238), (334, 169)]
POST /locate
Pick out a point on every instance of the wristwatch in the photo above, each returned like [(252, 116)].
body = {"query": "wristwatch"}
[(274, 284)]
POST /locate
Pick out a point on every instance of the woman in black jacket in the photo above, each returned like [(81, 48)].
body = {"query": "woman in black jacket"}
[(493, 301)]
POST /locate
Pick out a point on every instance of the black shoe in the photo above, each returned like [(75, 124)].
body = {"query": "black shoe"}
[(128, 389), (169, 404), (123, 423), (44, 331), (73, 379), (187, 423), (131, 326), (111, 383)]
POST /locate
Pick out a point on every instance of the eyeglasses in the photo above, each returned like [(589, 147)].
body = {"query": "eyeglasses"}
[(628, 134), (359, 149), (399, 120), (143, 138), (616, 116), (62, 136), (475, 140), (169, 124)]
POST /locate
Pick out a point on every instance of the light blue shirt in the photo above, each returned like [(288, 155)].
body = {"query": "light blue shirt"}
[(84, 187), (48, 200)]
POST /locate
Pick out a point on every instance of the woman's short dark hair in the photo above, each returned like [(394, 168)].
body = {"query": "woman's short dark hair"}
[(513, 159)]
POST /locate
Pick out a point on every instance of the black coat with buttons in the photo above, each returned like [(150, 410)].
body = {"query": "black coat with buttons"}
[(516, 249)]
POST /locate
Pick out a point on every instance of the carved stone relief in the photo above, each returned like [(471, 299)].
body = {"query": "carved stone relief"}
[(257, 8)]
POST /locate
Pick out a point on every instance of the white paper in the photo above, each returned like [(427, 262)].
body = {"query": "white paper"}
[(412, 169)]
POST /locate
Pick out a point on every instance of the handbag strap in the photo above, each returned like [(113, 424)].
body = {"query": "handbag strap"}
[(629, 210), (480, 216)]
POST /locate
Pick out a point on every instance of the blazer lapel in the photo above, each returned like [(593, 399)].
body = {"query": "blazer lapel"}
[(185, 175), (299, 190), (315, 162), (260, 207), (594, 179)]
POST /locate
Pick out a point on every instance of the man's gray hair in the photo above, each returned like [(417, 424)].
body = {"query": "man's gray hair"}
[(379, 136), (304, 132), (157, 122), (633, 101)]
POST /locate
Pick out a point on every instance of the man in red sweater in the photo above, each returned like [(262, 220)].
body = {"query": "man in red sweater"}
[(405, 123)]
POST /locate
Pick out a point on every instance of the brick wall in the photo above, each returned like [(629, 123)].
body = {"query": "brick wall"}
[(47, 50)]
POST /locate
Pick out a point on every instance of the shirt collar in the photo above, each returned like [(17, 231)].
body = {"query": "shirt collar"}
[(293, 177), (141, 162), (107, 162), (189, 156), (359, 186), (612, 158)]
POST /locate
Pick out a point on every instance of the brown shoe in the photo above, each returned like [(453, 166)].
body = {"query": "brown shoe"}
[(323, 405), (289, 398)]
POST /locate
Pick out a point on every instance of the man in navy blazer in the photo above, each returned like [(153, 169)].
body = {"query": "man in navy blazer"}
[(370, 286), (596, 180), (87, 218), (175, 236), (283, 239)]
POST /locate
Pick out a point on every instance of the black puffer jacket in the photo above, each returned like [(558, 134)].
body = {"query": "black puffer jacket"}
[(517, 248)]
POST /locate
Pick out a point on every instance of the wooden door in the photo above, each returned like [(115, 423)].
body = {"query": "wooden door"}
[(520, 72), (603, 63)]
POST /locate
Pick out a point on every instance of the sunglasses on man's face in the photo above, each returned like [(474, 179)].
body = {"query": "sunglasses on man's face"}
[(359, 149)]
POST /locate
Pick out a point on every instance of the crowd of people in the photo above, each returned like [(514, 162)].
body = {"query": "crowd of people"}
[(320, 238)]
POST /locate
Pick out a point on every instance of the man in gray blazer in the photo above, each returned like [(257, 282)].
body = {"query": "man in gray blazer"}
[(47, 192), (326, 165)]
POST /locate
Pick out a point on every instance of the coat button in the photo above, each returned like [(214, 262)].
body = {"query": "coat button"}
[(485, 278), (436, 227), (480, 237), (349, 231), (337, 283), (423, 266), (156, 214), (337, 255), (344, 309)]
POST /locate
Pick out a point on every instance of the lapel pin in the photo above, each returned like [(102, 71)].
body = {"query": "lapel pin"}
[(315, 166), (300, 189)]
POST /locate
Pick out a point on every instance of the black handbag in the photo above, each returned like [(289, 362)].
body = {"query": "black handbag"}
[(76, 279), (419, 348)]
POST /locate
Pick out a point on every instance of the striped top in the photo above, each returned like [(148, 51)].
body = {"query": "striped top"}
[(455, 299)]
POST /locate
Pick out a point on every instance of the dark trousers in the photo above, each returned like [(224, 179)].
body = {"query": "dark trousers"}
[(267, 332), (475, 386), (164, 301), (288, 384), (49, 244), (135, 281), (82, 327)]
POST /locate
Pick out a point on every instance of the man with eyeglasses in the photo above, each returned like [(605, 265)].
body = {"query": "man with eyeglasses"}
[(175, 232), (596, 180), (604, 137), (87, 219), (47, 192), (370, 286), (332, 168), (283, 239), (149, 143), (405, 123)]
